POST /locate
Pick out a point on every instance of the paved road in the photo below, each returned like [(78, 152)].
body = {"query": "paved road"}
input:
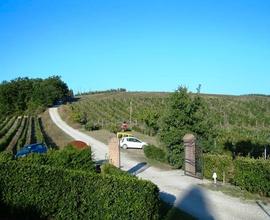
[(176, 188)]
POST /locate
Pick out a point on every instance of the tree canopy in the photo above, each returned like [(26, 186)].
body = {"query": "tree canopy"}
[(185, 114), (33, 95)]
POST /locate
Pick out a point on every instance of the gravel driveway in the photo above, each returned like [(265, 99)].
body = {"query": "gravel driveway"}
[(176, 188)]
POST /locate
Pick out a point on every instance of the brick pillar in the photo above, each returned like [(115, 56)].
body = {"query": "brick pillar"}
[(114, 152), (189, 143)]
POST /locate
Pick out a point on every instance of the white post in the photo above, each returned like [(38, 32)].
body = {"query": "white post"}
[(215, 177)]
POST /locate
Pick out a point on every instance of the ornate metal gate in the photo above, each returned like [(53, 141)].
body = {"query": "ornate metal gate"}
[(193, 156)]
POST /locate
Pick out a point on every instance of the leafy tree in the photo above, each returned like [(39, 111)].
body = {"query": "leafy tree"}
[(185, 114), (24, 94)]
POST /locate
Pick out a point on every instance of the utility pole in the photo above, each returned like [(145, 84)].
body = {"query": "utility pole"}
[(130, 112)]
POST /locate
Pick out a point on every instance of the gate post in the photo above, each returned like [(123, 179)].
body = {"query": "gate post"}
[(190, 163), (114, 152)]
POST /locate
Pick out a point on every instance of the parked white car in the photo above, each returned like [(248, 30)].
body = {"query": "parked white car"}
[(132, 142)]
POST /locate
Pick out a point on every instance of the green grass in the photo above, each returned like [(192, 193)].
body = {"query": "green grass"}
[(235, 191), (242, 122)]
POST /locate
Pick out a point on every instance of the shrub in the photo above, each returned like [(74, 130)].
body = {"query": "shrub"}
[(253, 175), (91, 126), (219, 164), (69, 158), (114, 128), (59, 193), (78, 144), (109, 169), (6, 155), (155, 153)]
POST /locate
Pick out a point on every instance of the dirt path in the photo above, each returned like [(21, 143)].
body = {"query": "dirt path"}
[(176, 188)]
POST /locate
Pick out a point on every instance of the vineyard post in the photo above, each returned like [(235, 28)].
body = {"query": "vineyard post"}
[(130, 112)]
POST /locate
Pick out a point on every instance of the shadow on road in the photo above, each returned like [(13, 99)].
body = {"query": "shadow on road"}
[(195, 203), (168, 198), (140, 167)]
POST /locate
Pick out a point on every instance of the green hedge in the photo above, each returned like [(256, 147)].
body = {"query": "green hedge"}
[(69, 158), (109, 169), (219, 164), (61, 193), (253, 175), (155, 153), (250, 174)]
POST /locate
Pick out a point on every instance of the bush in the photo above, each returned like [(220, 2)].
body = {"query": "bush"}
[(78, 144), (113, 128), (219, 164), (69, 158), (60, 193), (109, 169), (253, 175), (155, 153), (91, 126)]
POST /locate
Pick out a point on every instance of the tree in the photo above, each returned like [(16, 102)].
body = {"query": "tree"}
[(24, 94), (185, 113)]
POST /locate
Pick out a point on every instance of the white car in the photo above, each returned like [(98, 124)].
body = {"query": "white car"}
[(132, 142)]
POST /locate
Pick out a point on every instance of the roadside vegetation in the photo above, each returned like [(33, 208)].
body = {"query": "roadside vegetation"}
[(237, 125), (233, 129), (31, 96), (72, 189), (91, 195), (21, 102)]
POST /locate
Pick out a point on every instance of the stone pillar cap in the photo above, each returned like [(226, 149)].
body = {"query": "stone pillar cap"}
[(189, 137)]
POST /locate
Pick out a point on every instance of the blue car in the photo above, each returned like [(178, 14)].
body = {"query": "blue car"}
[(31, 148)]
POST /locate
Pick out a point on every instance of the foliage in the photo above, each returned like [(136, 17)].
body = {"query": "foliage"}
[(38, 132), (4, 141), (185, 114), (253, 175), (68, 158), (109, 169), (92, 126), (250, 174), (7, 126), (221, 164), (21, 131), (101, 91), (59, 193), (241, 122), (155, 153), (24, 94), (110, 110), (113, 128)]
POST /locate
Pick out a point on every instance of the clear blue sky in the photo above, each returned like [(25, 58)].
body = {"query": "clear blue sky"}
[(139, 44)]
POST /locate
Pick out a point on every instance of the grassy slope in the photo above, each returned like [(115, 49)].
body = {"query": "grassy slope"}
[(250, 114), (56, 135), (247, 111)]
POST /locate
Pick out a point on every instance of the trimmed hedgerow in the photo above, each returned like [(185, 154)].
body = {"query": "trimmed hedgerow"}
[(61, 193), (221, 164), (69, 158), (109, 169), (253, 175), (155, 153)]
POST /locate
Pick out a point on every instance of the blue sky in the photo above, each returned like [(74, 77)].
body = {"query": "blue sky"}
[(139, 44)]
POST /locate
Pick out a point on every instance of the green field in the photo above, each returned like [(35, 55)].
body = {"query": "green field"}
[(237, 118)]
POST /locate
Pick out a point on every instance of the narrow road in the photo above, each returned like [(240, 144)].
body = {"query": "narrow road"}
[(182, 191)]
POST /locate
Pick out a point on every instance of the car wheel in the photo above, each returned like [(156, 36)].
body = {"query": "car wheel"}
[(125, 146)]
